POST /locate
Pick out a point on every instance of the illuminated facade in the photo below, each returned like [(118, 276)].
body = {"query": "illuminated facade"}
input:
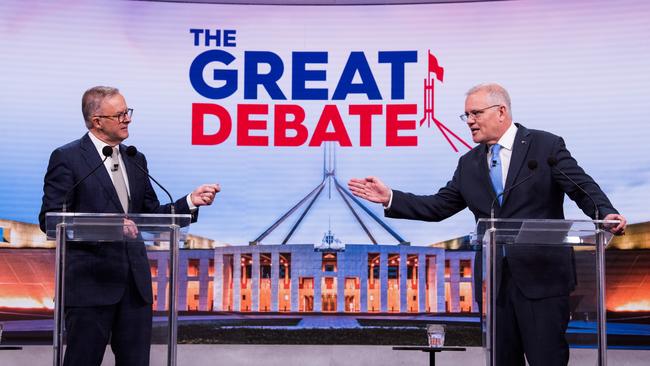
[(297, 278)]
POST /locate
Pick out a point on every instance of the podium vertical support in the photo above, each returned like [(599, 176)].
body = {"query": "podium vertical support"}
[(491, 297), (59, 269), (600, 288), (173, 291)]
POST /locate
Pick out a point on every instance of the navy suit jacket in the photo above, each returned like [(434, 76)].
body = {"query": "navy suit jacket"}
[(538, 272), (97, 273)]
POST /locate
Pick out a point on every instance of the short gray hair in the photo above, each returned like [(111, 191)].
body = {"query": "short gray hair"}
[(496, 94), (92, 99)]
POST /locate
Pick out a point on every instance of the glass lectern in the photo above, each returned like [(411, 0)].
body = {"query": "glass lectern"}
[(161, 230), (542, 240)]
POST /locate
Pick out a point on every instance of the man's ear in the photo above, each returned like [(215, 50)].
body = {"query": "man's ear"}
[(503, 113), (96, 121)]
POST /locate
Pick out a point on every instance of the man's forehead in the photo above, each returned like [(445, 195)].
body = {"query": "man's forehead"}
[(114, 102), (476, 97)]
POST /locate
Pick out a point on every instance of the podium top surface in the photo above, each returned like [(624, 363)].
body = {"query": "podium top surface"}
[(116, 227), (543, 232)]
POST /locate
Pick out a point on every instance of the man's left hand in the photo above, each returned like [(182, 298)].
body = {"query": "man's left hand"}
[(616, 229), (205, 194)]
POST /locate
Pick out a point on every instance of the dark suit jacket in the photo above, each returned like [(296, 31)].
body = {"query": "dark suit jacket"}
[(96, 273), (538, 272)]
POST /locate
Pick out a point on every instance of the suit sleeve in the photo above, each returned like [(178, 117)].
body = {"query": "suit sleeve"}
[(447, 202), (58, 180), (570, 167)]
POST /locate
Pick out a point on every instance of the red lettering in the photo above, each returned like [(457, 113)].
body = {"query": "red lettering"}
[(365, 113), (282, 123), (330, 114), (394, 125), (199, 110), (245, 124)]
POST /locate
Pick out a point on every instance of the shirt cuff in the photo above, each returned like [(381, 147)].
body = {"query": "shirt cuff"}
[(189, 202), (390, 201)]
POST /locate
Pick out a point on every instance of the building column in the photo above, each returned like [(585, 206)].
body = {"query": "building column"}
[(318, 295), (340, 291), (181, 295), (403, 283), (475, 304), (294, 285), (255, 283), (218, 283), (383, 280), (363, 283), (204, 281), (422, 284), (454, 288), (440, 277), (163, 280), (275, 279), (236, 281)]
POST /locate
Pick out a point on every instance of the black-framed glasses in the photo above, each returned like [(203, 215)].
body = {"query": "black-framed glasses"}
[(120, 117), (476, 114)]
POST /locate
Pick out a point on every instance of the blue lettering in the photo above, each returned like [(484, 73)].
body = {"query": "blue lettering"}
[(397, 59), (252, 78), (300, 76), (229, 77), (357, 63)]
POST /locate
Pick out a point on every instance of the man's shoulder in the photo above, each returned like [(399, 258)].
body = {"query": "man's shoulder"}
[(72, 145), (474, 153), (537, 134), (71, 148)]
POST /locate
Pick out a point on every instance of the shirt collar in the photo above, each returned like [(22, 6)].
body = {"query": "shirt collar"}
[(99, 144), (508, 139)]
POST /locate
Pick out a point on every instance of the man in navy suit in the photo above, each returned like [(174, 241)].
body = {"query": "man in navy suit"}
[(108, 293), (533, 300)]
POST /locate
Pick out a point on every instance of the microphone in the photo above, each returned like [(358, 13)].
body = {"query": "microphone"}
[(131, 151), (552, 162), (532, 165), (107, 151)]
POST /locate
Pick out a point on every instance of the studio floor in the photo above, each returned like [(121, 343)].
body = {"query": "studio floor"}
[(271, 355)]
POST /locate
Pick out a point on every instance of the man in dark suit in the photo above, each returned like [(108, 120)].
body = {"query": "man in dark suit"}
[(108, 293), (532, 306)]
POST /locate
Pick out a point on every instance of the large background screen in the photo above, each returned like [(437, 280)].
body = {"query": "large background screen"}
[(576, 69)]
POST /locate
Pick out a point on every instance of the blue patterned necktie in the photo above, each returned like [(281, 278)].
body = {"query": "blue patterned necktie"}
[(495, 172)]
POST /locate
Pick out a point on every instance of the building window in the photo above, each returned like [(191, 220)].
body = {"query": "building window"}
[(466, 268), (193, 267), (329, 262)]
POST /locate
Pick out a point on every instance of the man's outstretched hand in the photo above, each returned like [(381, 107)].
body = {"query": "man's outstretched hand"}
[(371, 189)]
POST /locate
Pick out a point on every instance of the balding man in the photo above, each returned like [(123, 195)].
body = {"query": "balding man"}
[(107, 285), (533, 300)]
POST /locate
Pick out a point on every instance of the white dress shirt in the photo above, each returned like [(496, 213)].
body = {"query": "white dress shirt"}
[(506, 141)]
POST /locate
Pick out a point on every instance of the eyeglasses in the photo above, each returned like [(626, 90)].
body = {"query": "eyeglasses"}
[(476, 114), (120, 117)]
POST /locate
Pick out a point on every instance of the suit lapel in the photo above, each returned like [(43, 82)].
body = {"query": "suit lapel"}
[(484, 171), (92, 158), (132, 172), (519, 152)]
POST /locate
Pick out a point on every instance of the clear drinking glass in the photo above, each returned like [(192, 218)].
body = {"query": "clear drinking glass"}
[(436, 335)]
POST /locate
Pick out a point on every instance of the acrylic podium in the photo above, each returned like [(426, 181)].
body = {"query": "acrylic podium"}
[(160, 230), (556, 238)]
